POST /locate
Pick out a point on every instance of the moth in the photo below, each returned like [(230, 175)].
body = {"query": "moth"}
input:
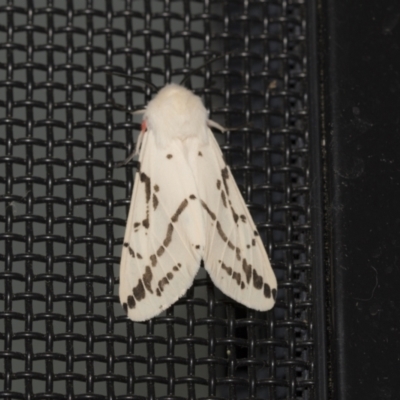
[(186, 208)]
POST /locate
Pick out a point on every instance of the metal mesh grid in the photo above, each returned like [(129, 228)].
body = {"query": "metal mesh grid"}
[(63, 206)]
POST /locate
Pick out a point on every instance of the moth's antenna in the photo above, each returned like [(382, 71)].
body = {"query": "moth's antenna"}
[(150, 85), (200, 68)]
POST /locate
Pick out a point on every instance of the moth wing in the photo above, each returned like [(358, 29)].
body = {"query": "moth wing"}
[(164, 234), (235, 256)]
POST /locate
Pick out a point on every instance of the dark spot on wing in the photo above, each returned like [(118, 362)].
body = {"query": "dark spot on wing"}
[(160, 251), (227, 269), (257, 280), (158, 292), (224, 237), (192, 197), (179, 265), (200, 154), (210, 213), (238, 254), (138, 291), (162, 282), (274, 293), (175, 268), (225, 177), (136, 224), (237, 277), (169, 156), (153, 260), (131, 302), (197, 247), (243, 218), (253, 242), (168, 236), (155, 201), (144, 178), (179, 211), (156, 188), (255, 233), (235, 216), (267, 291), (247, 270), (125, 307), (223, 197), (218, 184), (147, 277), (242, 285), (248, 246), (131, 252), (146, 223), (139, 256), (221, 232), (126, 244), (170, 275)]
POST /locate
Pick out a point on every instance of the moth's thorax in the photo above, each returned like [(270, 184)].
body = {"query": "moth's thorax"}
[(176, 113)]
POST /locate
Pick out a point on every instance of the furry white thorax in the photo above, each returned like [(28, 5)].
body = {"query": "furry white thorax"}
[(176, 113)]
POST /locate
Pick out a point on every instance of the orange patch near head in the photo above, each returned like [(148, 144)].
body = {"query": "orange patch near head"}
[(143, 126)]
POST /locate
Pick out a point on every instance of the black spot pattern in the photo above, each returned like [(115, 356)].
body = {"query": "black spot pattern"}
[(131, 302), (267, 291), (147, 183), (257, 280), (138, 291), (155, 202), (147, 278), (209, 212), (223, 197), (179, 211), (235, 216), (247, 270), (225, 177), (153, 259), (168, 236), (227, 269), (237, 277), (131, 252), (238, 257), (162, 282)]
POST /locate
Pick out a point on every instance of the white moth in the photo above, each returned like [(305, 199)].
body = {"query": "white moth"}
[(186, 207)]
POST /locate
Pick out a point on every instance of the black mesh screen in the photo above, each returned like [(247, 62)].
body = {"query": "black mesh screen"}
[(63, 205)]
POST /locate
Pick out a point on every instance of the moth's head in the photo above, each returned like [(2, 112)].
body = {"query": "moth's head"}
[(175, 112)]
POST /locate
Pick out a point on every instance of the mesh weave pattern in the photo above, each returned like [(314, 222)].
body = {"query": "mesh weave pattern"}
[(63, 205)]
